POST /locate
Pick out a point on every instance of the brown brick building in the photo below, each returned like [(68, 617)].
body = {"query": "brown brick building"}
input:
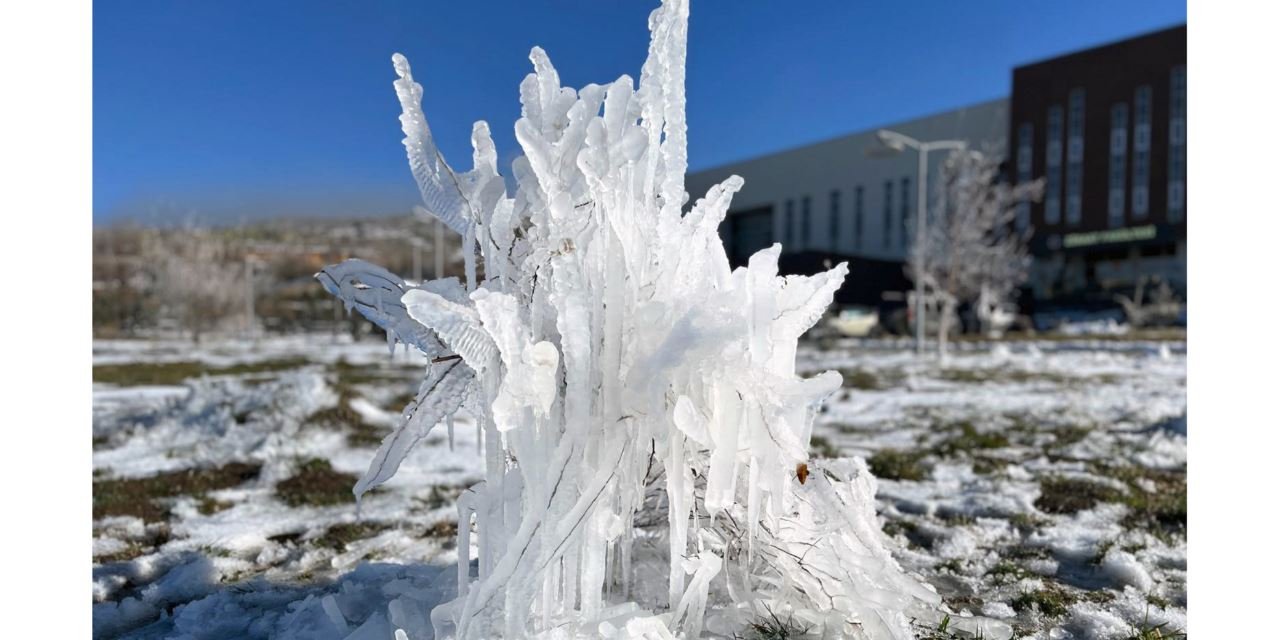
[(1106, 129)]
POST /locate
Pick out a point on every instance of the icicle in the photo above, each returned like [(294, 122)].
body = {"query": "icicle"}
[(466, 508)]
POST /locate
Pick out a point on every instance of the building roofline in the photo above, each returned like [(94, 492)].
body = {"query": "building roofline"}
[(1092, 49), (859, 132)]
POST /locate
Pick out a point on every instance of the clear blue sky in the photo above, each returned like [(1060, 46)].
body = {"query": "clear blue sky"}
[(244, 108)]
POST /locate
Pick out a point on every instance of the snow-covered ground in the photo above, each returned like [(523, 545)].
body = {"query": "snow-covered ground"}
[(1041, 483)]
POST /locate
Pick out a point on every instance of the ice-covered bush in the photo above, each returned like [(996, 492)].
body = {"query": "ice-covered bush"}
[(644, 430)]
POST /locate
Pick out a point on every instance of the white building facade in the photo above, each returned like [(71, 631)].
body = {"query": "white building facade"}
[(838, 197)]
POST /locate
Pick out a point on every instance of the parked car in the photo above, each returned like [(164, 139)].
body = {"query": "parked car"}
[(855, 322)]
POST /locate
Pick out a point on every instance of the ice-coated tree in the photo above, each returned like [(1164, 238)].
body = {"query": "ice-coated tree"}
[(644, 431), (971, 250), (195, 281)]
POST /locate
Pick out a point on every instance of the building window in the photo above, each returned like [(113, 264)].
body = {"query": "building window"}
[(1022, 218), (857, 217), (1138, 188), (1053, 167), (1177, 204), (805, 237), (790, 221), (1075, 155), (833, 221), (888, 213), (1119, 153), (906, 211)]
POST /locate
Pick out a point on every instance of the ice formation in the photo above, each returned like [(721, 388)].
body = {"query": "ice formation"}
[(642, 418)]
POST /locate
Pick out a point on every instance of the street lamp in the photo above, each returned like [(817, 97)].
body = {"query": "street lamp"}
[(893, 143)]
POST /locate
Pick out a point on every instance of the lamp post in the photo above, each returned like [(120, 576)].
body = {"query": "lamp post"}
[(895, 143)]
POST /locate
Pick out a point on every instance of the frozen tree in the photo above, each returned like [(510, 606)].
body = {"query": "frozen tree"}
[(195, 279), (644, 431), (971, 250)]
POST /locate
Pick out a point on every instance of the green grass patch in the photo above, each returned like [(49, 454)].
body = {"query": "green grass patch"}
[(1008, 572), (943, 630), (1067, 436), (865, 380), (1157, 632), (772, 627), (1068, 495), (894, 527), (1052, 601), (143, 497), (1162, 512), (1149, 631), (316, 484), (893, 464), (1026, 522), (969, 440), (986, 465)]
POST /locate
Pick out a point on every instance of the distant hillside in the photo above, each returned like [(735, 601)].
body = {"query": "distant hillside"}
[(194, 279)]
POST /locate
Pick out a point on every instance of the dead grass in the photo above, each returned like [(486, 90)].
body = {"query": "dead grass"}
[(143, 497), (1005, 375), (894, 464), (1068, 495), (339, 536), (1052, 601), (174, 373), (343, 417), (316, 484), (1161, 512)]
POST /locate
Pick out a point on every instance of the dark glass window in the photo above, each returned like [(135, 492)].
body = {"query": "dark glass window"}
[(789, 220), (833, 220), (888, 213), (906, 211), (805, 236), (857, 217)]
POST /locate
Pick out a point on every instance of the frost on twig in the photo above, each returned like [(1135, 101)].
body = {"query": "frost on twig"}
[(642, 420)]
